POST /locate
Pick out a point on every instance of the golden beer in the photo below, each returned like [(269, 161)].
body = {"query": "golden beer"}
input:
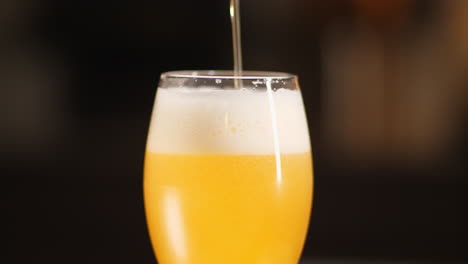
[(222, 184), (227, 208)]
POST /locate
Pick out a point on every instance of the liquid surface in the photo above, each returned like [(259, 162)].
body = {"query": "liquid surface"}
[(211, 209), (207, 121)]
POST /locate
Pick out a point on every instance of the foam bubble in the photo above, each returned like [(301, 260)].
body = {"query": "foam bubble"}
[(208, 121)]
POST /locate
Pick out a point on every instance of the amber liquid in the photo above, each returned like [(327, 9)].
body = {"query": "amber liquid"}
[(212, 209)]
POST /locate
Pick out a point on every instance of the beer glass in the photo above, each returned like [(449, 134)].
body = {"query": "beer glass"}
[(228, 170)]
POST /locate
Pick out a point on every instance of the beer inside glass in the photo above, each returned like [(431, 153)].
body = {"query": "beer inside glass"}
[(228, 169)]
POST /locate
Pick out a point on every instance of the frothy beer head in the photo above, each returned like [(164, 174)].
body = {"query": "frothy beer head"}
[(210, 121)]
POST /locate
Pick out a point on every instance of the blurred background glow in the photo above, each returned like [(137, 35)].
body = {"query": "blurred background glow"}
[(386, 90)]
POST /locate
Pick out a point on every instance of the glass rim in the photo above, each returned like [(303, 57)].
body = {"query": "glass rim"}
[(229, 75)]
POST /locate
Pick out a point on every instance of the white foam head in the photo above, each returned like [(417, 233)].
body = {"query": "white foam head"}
[(208, 121)]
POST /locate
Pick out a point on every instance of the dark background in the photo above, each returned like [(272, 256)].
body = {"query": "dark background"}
[(78, 80)]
